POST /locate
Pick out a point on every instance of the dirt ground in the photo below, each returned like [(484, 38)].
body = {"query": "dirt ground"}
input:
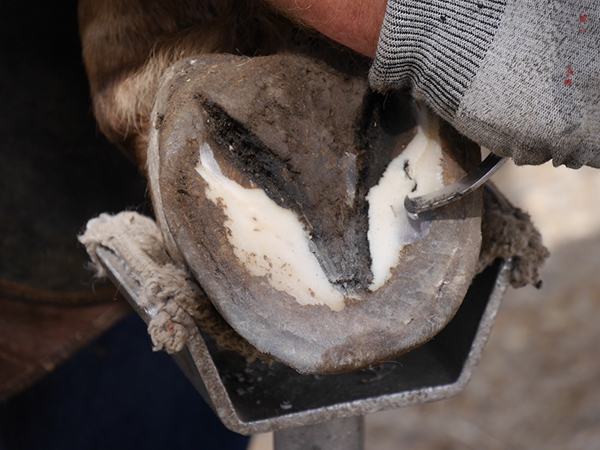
[(538, 383)]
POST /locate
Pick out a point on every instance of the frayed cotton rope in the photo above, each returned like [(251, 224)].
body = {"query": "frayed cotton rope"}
[(508, 232), (165, 288)]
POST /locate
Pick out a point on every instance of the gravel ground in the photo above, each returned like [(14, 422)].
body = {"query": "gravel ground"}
[(538, 384)]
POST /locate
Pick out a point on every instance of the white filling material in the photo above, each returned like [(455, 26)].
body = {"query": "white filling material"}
[(389, 226), (269, 240)]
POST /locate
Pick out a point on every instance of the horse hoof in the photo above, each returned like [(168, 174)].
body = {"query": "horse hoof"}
[(280, 182)]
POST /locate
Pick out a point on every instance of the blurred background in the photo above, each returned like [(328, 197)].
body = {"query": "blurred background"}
[(538, 384)]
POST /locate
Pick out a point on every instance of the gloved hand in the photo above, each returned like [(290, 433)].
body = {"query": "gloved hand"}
[(520, 77)]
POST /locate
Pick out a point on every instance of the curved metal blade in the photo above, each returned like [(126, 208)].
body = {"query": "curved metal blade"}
[(452, 192)]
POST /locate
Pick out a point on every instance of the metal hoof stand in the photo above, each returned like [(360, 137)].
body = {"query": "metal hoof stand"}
[(326, 411)]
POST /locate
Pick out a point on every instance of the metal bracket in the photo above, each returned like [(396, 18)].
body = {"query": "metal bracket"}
[(255, 397)]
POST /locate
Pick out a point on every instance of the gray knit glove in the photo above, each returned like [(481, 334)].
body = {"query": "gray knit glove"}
[(520, 77)]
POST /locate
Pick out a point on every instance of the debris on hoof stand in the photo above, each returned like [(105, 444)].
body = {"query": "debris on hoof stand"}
[(280, 182)]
